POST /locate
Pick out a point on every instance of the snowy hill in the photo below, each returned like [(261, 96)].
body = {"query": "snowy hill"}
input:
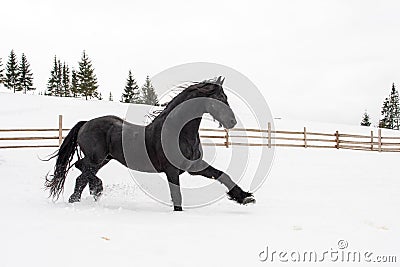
[(311, 199)]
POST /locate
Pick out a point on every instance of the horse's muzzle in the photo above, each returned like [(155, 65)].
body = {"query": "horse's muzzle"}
[(230, 123)]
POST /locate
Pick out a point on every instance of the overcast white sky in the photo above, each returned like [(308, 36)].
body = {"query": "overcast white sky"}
[(313, 60)]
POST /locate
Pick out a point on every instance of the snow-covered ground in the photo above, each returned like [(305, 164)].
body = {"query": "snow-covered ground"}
[(311, 199)]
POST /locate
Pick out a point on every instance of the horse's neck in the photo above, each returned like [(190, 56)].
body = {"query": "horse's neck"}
[(192, 127)]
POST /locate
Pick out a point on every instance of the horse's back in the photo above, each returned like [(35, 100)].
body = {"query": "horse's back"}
[(98, 127), (94, 135)]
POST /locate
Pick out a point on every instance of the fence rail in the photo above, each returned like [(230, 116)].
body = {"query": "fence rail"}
[(307, 139), (240, 137), (58, 135)]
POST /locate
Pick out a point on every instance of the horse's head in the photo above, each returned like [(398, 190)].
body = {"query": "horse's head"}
[(213, 100), (218, 105)]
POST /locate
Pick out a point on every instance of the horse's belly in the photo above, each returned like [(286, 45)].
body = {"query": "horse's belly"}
[(138, 164)]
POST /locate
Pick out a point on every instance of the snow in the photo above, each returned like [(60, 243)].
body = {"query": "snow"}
[(311, 199)]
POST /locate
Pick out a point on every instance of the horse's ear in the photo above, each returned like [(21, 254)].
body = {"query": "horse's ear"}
[(218, 81), (222, 81)]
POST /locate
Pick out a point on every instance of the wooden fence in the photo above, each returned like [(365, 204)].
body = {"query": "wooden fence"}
[(243, 137), (34, 134), (307, 139)]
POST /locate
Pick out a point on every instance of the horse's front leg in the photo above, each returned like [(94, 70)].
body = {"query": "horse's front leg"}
[(174, 188), (234, 191)]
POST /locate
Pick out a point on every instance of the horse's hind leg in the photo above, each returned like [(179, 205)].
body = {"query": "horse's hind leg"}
[(88, 176), (95, 183), (95, 187), (80, 184)]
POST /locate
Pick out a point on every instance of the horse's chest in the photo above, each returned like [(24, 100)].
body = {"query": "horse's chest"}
[(190, 149)]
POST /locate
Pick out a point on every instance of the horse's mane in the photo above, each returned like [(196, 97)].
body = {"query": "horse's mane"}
[(189, 90)]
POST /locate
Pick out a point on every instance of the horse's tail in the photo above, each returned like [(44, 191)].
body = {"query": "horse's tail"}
[(64, 155)]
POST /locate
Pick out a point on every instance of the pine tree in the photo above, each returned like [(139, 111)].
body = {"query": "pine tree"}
[(110, 97), (391, 111), (86, 77), (25, 79), (394, 108), (54, 82), (131, 91), (2, 79), (74, 84), (148, 94), (65, 81), (12, 73), (365, 120)]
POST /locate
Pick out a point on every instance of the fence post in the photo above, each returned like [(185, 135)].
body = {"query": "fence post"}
[(305, 138), (60, 130), (379, 140), (226, 138), (337, 139), (269, 135), (372, 140)]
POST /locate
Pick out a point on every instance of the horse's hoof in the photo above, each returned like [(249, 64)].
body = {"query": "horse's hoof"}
[(96, 193), (177, 208), (97, 197), (249, 200), (73, 199)]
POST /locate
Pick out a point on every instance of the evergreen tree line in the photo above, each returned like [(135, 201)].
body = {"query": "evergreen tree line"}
[(18, 76), (64, 82), (83, 83), (390, 113), (74, 83)]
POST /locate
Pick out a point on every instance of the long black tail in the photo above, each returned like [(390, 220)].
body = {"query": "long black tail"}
[(64, 157)]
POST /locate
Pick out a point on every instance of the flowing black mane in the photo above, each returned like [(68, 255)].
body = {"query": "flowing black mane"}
[(194, 89)]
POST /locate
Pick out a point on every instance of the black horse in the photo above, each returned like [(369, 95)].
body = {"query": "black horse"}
[(152, 148)]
